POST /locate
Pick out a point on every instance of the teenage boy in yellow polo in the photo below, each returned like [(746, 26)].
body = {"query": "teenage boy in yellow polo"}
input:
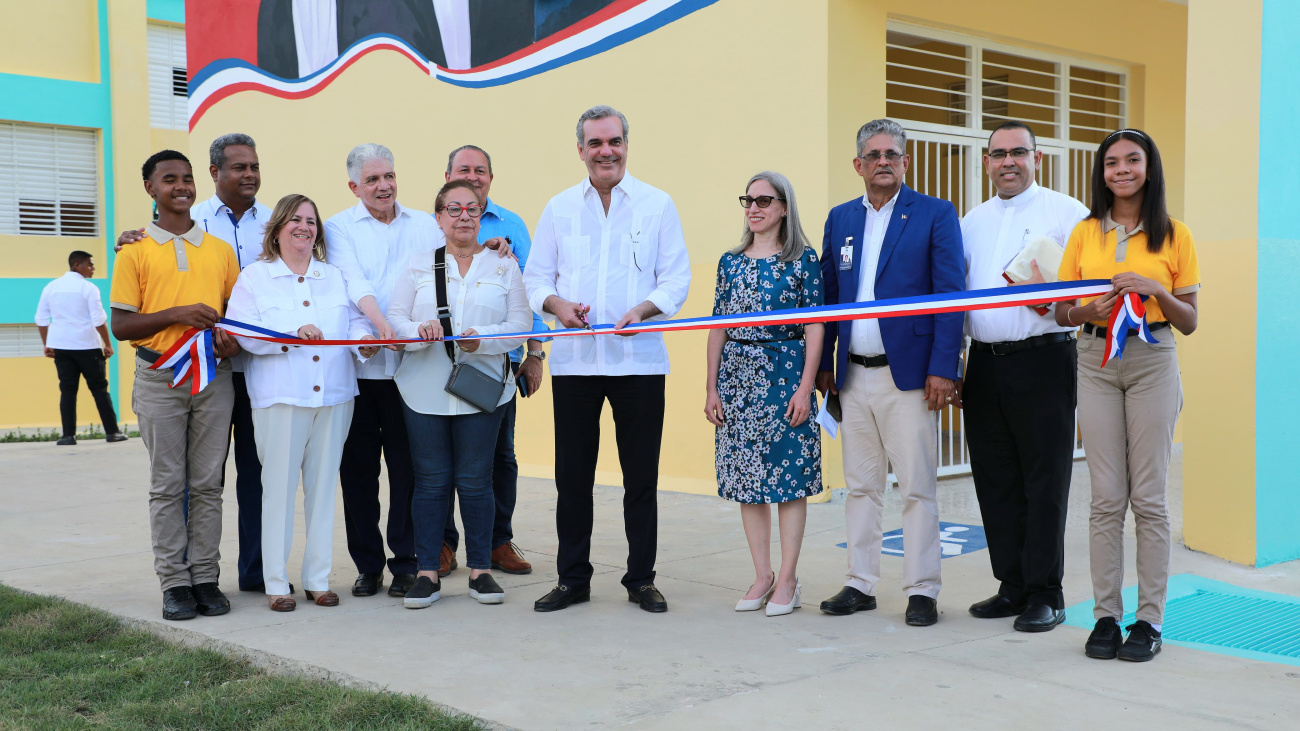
[(177, 278)]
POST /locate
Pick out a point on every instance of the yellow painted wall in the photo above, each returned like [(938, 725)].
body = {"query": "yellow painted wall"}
[(69, 51), (46, 256), (1219, 358)]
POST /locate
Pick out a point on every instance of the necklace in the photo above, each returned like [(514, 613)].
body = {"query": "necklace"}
[(463, 256)]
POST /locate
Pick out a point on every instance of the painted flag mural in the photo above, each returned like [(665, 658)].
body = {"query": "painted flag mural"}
[(295, 48)]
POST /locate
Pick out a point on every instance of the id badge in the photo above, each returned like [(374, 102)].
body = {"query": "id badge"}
[(846, 254)]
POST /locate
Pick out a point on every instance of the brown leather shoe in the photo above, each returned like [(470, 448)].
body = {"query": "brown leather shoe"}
[(283, 604), (447, 561), (508, 558), (323, 598)]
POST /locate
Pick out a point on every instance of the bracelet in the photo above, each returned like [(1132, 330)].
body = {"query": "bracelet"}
[(1069, 314)]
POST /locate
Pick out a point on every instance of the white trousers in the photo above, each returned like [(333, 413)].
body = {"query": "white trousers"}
[(293, 441), (884, 426)]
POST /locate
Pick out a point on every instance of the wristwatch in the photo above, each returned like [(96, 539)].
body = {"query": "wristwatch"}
[(538, 354)]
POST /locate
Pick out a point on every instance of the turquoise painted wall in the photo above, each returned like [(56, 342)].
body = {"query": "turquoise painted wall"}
[(1277, 403), (171, 11)]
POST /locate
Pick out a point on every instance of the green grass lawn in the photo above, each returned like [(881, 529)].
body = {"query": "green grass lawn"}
[(68, 666)]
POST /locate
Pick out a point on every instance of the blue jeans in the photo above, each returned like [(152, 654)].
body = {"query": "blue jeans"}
[(453, 453), (505, 485)]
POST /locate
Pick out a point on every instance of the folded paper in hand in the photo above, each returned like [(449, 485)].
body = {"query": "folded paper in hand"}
[(1043, 250)]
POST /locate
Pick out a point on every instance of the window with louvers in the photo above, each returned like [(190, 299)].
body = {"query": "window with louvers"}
[(20, 341), (168, 79), (49, 180)]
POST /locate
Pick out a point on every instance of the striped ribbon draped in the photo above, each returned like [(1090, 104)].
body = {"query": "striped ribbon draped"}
[(1129, 314), (192, 354)]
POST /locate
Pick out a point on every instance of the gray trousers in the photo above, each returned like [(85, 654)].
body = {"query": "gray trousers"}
[(1127, 414), (187, 436)]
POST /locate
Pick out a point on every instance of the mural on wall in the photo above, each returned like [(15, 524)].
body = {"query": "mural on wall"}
[(294, 48)]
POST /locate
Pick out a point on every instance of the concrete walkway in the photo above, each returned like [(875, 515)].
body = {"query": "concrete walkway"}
[(73, 522)]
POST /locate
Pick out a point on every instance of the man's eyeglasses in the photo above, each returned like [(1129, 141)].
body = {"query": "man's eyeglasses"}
[(763, 201), (890, 156), (474, 210), (1015, 153)]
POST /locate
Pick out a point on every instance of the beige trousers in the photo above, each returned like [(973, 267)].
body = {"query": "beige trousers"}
[(295, 441), (883, 426), (187, 437), (1127, 414)]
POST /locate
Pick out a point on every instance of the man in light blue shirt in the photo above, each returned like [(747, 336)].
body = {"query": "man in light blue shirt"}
[(473, 164)]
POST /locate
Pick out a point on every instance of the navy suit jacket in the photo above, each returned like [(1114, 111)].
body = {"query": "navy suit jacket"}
[(921, 254)]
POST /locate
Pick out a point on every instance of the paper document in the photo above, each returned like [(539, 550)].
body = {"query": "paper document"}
[(1047, 252), (828, 423)]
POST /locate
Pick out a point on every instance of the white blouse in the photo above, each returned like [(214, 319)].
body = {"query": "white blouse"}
[(489, 299), (268, 294)]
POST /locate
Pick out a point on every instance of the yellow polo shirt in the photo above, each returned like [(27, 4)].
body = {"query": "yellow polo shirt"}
[(164, 270), (1102, 249)]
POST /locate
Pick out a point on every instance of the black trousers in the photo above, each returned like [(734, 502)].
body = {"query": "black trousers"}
[(638, 406), (72, 365), (378, 425), (505, 484), (1019, 412), (248, 487)]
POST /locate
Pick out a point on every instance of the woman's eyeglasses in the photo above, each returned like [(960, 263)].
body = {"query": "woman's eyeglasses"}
[(474, 210), (763, 201)]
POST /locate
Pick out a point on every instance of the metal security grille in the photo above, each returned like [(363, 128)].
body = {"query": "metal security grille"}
[(949, 90), (49, 180), (168, 81), (1239, 622)]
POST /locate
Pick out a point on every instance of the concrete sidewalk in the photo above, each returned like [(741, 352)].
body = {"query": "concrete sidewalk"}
[(74, 523)]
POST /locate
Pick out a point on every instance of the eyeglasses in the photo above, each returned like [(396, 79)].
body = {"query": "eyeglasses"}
[(890, 156), (474, 210), (1015, 153), (763, 201)]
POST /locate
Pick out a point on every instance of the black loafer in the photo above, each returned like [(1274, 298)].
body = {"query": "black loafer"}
[(1143, 642), (922, 611), (562, 596), (211, 602), (179, 603), (649, 598), (1039, 618), (67, 442), (401, 584), (367, 584), (1104, 642), (997, 607), (115, 437), (848, 601)]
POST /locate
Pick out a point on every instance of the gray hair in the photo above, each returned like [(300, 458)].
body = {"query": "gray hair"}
[(793, 240), (600, 112), (217, 152), (451, 159), (362, 154), (882, 127)]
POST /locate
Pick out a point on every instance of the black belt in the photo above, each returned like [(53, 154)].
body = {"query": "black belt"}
[(1015, 346), (869, 361), (1100, 332), (147, 355)]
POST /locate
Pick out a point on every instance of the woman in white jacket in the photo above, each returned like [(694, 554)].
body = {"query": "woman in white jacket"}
[(452, 441), (301, 396)]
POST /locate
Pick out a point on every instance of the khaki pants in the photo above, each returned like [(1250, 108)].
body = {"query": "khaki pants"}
[(1127, 414), (187, 436), (883, 426)]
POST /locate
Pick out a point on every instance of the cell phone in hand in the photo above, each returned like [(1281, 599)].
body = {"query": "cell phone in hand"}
[(521, 380)]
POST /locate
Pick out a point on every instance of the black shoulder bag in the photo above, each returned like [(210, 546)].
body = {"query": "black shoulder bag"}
[(466, 382)]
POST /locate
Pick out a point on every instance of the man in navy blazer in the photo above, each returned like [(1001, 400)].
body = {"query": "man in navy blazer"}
[(892, 376)]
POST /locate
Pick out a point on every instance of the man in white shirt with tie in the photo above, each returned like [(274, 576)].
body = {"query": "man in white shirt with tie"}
[(608, 250), (1019, 390), (74, 330)]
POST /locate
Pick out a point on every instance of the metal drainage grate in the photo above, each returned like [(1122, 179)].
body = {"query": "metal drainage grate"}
[(1238, 622)]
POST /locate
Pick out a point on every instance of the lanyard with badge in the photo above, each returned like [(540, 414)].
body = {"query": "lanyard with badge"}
[(846, 254)]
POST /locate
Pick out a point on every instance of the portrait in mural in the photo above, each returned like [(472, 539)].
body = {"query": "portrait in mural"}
[(294, 48)]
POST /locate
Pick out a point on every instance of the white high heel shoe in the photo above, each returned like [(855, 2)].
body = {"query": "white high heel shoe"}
[(751, 605), (776, 610)]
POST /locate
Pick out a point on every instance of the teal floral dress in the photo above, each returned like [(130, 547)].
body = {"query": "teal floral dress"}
[(760, 457)]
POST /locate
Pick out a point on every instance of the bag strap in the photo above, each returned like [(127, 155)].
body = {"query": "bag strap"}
[(444, 310)]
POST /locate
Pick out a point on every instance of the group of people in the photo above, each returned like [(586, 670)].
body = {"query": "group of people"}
[(611, 249)]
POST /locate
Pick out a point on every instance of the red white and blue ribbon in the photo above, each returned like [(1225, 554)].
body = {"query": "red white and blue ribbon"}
[(193, 347), (1129, 314)]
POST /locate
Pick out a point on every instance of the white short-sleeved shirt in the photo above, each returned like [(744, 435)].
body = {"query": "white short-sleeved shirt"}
[(71, 308)]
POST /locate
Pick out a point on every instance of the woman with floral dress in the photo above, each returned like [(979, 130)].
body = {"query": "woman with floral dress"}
[(760, 387)]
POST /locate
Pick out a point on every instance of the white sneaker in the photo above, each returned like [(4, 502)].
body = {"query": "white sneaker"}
[(776, 610), (424, 593), (485, 590)]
